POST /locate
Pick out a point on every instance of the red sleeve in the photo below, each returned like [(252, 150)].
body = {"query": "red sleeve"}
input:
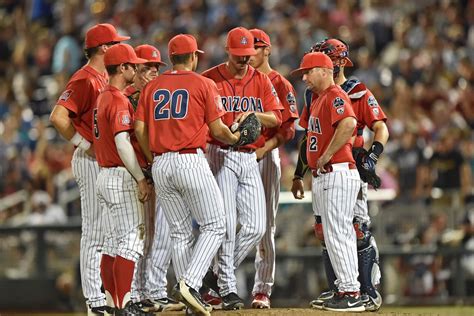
[(287, 130), (304, 118), (371, 110), (122, 115), (214, 108), (340, 107), (270, 97), (76, 95), (287, 96)]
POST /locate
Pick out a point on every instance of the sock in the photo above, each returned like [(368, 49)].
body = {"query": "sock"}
[(123, 276), (107, 276)]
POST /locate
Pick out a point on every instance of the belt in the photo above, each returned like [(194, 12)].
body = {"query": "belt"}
[(181, 152), (239, 149), (343, 166)]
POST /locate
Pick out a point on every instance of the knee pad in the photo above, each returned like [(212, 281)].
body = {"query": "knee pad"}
[(368, 258), (318, 230)]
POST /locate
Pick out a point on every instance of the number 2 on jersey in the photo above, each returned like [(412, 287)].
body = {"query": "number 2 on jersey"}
[(313, 143), (178, 104)]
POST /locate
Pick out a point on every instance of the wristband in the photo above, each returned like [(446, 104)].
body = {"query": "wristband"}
[(297, 178), (80, 142), (376, 150)]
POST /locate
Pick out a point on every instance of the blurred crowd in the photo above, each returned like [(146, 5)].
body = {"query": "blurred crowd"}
[(416, 56)]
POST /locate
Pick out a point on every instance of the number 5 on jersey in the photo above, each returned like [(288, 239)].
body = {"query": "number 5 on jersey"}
[(178, 104)]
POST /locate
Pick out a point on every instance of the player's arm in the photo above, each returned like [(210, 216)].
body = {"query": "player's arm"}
[(222, 133), (297, 187), (62, 122), (129, 159), (343, 133), (141, 131), (270, 119), (284, 134), (380, 139)]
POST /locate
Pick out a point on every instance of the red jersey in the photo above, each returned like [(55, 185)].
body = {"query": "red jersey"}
[(365, 107), (80, 97), (177, 107), (287, 96), (113, 114), (253, 93), (326, 111)]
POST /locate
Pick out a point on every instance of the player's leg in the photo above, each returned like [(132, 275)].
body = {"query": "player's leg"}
[(128, 215), (338, 197), (270, 172), (368, 254), (225, 165), (85, 170)]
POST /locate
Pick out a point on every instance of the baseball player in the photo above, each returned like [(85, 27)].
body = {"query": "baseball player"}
[(270, 169), (175, 113), (121, 184), (150, 281), (368, 113), (72, 117), (331, 122), (243, 89)]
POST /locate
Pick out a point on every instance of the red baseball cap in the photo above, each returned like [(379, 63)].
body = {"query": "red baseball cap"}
[(103, 33), (313, 60), (240, 42), (183, 44), (121, 54), (261, 39), (150, 53)]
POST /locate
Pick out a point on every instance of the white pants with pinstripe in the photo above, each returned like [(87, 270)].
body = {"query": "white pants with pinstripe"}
[(85, 170), (361, 208), (186, 189), (117, 191), (239, 179), (150, 278), (270, 170), (334, 198)]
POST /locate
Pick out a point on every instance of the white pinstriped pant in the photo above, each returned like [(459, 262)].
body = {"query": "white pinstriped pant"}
[(117, 191), (361, 208), (270, 170), (186, 189), (85, 170), (334, 198), (241, 185), (150, 277)]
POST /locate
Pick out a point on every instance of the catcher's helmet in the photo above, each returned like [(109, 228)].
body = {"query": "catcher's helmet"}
[(336, 49)]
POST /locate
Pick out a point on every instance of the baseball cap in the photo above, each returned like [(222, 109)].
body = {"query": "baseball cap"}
[(121, 54), (183, 44), (101, 34), (240, 42), (313, 60), (150, 53), (261, 39)]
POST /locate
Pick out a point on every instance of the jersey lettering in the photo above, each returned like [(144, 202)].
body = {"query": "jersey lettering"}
[(178, 105), (242, 104), (314, 125)]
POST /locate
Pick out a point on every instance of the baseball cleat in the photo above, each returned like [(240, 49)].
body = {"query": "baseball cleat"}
[(261, 301), (191, 298), (214, 301), (323, 297), (101, 310), (344, 302), (131, 309), (164, 304), (371, 304), (232, 302)]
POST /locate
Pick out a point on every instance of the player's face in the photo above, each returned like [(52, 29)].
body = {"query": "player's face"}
[(258, 59), (149, 70), (239, 63), (129, 73), (313, 78)]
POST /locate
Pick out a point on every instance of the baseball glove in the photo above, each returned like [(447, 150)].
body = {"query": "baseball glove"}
[(249, 129), (366, 167)]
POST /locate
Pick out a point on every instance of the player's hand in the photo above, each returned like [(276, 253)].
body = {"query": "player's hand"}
[(91, 151), (260, 153), (144, 190), (322, 162), (241, 116), (297, 188)]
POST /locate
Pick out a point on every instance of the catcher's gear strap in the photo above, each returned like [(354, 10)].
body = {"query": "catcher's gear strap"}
[(362, 232), (369, 270), (302, 164), (318, 229), (354, 88)]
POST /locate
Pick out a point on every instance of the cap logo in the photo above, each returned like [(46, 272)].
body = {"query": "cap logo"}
[(154, 54), (244, 40)]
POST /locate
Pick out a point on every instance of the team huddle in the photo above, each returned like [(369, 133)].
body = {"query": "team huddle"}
[(157, 153)]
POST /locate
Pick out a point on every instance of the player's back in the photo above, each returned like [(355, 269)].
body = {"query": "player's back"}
[(173, 105)]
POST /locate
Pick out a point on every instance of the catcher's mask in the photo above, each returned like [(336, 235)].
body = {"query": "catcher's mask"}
[(337, 50)]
